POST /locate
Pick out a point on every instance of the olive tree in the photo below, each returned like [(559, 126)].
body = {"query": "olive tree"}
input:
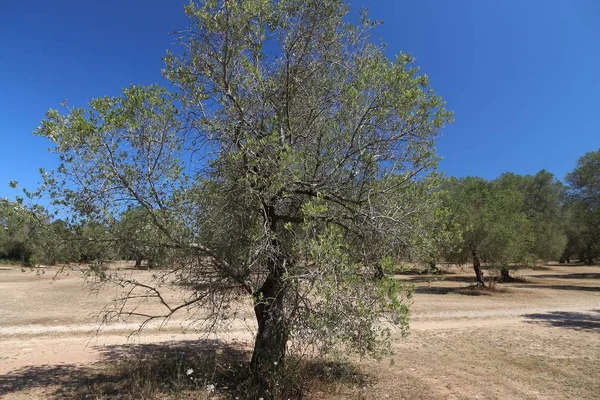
[(584, 207), (290, 166), (543, 198), (492, 225), (136, 232), (21, 233)]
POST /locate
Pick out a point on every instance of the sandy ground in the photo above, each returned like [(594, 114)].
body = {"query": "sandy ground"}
[(534, 339)]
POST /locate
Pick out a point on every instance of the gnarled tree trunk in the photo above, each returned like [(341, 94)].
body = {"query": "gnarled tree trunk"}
[(273, 327), (477, 268), (504, 274), (272, 336)]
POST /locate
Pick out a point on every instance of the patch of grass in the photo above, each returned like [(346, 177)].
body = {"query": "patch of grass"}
[(181, 370), (149, 371)]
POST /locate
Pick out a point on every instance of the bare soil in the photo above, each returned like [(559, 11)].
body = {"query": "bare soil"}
[(536, 338)]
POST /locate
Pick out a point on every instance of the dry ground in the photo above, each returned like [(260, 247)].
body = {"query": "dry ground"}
[(538, 338)]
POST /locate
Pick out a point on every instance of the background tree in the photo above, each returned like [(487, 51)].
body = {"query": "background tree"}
[(283, 169), (136, 231), (16, 232), (492, 226), (584, 207), (54, 244), (543, 197)]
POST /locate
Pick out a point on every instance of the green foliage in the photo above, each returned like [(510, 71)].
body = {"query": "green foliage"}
[(584, 208), (29, 237), (543, 198), (513, 219), (16, 232), (491, 222), (136, 233)]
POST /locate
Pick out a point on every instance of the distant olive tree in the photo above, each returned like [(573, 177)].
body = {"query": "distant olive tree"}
[(491, 223), (16, 232), (136, 235), (543, 199), (290, 167), (584, 208)]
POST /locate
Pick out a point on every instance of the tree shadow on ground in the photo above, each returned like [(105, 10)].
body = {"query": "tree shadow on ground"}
[(465, 291), (422, 271), (588, 321), (590, 275), (561, 287), (446, 278), (542, 267), (192, 368), (139, 371)]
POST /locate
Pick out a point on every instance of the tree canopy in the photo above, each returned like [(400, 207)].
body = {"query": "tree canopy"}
[(584, 207), (543, 199), (490, 221)]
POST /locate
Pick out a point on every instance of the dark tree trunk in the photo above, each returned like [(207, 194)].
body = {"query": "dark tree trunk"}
[(505, 274), (590, 260), (433, 269), (138, 262), (379, 272), (273, 327), (271, 339), (477, 268)]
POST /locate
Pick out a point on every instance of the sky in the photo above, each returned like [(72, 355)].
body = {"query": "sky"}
[(522, 76)]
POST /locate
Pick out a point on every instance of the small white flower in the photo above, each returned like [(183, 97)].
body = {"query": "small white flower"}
[(189, 371), (275, 363)]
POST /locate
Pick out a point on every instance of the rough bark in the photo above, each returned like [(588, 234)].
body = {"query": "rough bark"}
[(505, 274), (271, 339), (273, 328), (477, 268)]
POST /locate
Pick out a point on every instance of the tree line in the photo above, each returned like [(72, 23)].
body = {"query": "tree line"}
[(511, 221), (35, 239), (517, 220)]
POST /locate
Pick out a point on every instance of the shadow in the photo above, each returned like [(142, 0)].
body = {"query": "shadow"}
[(140, 371), (424, 271), (589, 321), (182, 369), (542, 267), (446, 278), (465, 291), (591, 275), (330, 372), (561, 287)]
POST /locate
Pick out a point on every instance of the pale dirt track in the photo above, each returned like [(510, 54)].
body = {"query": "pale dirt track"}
[(539, 339)]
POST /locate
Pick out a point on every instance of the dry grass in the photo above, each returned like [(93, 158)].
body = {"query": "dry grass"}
[(180, 370)]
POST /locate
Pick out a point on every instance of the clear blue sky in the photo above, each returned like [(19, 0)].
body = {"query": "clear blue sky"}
[(522, 76)]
